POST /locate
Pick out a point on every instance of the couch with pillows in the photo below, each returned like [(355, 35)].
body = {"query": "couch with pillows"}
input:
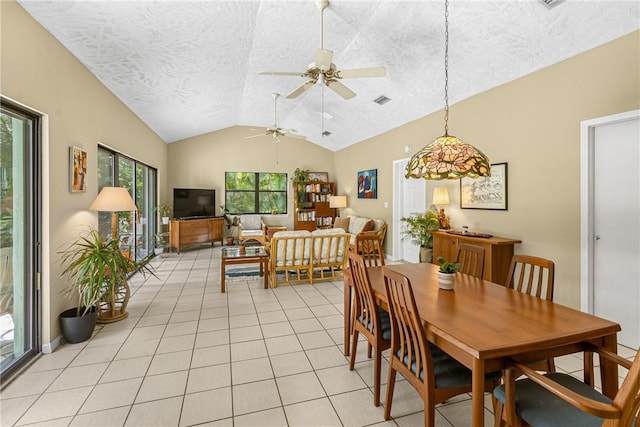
[(355, 225), (303, 256)]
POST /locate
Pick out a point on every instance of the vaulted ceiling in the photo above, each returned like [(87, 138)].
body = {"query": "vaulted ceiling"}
[(191, 67)]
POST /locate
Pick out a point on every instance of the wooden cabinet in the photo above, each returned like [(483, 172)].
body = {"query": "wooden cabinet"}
[(497, 252), (186, 232), (311, 205)]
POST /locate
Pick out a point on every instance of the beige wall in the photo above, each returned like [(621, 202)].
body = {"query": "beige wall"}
[(39, 73), (201, 161), (532, 123)]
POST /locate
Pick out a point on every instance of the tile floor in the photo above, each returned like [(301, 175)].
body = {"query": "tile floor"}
[(188, 355)]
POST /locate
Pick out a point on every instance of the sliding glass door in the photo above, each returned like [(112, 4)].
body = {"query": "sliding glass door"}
[(19, 237)]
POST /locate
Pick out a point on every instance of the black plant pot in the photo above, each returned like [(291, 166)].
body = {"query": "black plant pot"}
[(75, 328)]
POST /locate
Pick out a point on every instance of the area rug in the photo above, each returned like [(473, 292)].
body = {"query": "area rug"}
[(248, 270)]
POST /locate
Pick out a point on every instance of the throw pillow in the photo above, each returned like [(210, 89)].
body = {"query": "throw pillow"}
[(342, 223), (368, 226)]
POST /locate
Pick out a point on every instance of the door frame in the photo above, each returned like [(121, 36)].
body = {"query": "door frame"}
[(587, 202), (398, 166)]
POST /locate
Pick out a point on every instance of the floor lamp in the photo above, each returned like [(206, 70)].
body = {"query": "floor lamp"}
[(114, 200)]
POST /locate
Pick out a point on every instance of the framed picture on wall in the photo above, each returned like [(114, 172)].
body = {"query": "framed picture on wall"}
[(77, 170), (368, 184), (319, 176), (488, 192)]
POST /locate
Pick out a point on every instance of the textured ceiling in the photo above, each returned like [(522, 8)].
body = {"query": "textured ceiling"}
[(191, 67)]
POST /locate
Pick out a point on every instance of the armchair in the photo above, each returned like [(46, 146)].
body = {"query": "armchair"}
[(251, 227)]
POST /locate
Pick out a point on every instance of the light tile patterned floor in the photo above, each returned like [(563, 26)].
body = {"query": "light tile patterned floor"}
[(189, 355)]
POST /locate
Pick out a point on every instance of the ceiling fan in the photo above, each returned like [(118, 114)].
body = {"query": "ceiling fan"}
[(275, 131), (323, 68)]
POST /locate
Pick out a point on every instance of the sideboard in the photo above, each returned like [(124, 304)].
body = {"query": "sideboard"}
[(497, 252), (186, 232)]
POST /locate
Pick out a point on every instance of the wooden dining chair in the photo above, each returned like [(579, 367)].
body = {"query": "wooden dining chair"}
[(369, 246), (558, 399), (434, 374), (369, 320), (531, 275), (471, 259)]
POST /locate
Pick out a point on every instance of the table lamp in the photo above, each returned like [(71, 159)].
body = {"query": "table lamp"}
[(113, 199), (337, 202), (441, 197)]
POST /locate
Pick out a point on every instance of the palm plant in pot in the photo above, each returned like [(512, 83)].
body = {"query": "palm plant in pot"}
[(447, 273), (97, 271), (418, 228)]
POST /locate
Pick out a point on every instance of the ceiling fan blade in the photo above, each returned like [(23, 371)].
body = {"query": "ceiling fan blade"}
[(341, 89), (298, 91), (281, 73), (255, 136), (323, 59), (362, 72)]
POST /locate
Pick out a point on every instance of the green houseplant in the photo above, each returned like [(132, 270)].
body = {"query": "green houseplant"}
[(300, 176), (164, 213), (418, 228), (97, 272), (446, 273)]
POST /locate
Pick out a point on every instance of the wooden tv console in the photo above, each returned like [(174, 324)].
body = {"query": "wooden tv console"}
[(186, 232)]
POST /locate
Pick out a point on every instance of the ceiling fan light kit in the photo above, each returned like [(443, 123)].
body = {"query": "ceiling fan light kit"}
[(323, 69), (448, 157)]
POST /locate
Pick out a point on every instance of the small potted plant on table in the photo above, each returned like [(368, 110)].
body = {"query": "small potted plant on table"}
[(447, 273)]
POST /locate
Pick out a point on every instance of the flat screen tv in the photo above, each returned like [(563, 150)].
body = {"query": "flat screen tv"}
[(190, 203)]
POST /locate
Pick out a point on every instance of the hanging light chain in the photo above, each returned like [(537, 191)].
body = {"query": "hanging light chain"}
[(446, 67)]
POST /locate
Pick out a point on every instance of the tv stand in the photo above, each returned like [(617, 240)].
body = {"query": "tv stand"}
[(187, 232)]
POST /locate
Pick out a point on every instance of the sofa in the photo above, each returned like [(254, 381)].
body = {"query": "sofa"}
[(303, 256), (361, 225)]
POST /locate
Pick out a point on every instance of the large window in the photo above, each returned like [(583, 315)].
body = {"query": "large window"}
[(135, 230), (255, 192)]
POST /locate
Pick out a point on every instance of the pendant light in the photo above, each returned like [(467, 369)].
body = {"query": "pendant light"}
[(447, 157)]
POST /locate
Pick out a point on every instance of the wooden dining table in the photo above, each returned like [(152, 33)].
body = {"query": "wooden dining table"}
[(482, 324)]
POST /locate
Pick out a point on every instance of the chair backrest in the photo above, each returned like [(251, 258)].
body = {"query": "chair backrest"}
[(365, 305), (531, 275), (471, 259), (369, 246), (408, 340)]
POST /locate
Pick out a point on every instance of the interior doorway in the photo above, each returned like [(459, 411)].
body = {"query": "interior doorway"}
[(409, 196), (610, 284)]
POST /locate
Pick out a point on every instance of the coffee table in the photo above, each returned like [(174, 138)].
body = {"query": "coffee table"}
[(253, 255)]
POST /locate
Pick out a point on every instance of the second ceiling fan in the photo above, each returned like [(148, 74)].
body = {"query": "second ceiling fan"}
[(323, 68)]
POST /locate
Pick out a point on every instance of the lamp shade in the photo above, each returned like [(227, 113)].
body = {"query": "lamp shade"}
[(113, 199), (338, 201), (441, 196)]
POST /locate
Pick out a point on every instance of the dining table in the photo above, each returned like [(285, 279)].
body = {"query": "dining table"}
[(483, 324)]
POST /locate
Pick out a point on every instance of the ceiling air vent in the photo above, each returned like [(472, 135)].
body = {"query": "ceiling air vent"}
[(326, 133), (381, 100), (551, 3)]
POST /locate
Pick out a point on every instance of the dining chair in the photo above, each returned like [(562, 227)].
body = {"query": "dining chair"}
[(558, 399), (471, 259), (369, 246), (531, 275), (369, 319), (434, 374)]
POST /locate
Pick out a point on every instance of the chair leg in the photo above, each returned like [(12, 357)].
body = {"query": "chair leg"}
[(389, 398), (369, 348), (354, 346), (377, 362), (498, 419)]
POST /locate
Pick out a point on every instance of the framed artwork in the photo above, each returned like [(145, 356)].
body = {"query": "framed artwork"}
[(77, 170), (488, 192), (319, 176), (368, 184)]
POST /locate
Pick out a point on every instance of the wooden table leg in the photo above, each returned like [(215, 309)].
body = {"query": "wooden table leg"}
[(609, 369), (265, 272), (477, 393), (347, 313), (222, 268)]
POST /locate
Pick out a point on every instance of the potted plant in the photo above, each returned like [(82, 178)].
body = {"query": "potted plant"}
[(97, 271), (418, 228), (300, 176), (447, 273), (229, 221), (164, 213), (158, 248)]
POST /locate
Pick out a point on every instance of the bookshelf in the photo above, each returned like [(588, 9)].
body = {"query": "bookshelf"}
[(311, 205)]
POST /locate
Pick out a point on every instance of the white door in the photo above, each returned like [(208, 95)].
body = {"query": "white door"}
[(409, 197), (615, 186)]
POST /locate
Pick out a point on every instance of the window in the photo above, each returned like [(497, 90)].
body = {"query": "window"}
[(255, 192)]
